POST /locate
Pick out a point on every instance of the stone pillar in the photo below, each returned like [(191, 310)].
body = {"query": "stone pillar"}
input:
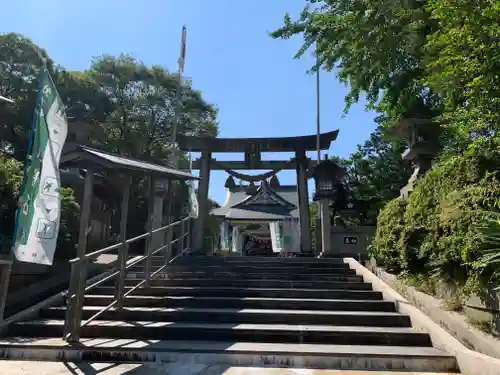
[(305, 231), (224, 234), (199, 227), (319, 247), (157, 240), (326, 227), (160, 190)]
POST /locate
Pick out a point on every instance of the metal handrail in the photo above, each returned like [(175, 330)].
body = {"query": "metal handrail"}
[(95, 254), (73, 321)]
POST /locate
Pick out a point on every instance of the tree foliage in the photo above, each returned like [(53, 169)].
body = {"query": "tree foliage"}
[(374, 46), (133, 105), (144, 101), (11, 174), (375, 173), (434, 58)]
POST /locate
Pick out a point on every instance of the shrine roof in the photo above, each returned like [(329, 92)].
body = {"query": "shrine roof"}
[(86, 157), (278, 144), (267, 204)]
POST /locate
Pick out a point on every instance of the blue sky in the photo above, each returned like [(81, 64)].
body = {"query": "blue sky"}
[(259, 89)]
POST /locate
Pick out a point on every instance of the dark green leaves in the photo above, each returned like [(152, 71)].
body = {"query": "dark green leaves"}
[(374, 46)]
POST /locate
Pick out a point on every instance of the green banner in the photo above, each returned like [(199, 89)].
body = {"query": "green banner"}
[(39, 209)]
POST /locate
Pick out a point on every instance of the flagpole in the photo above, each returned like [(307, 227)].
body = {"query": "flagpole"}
[(323, 213), (177, 116), (319, 207), (178, 97), (318, 117)]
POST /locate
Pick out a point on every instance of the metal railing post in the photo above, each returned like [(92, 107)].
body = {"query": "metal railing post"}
[(5, 270), (71, 301), (170, 239), (188, 246), (181, 242), (147, 267), (165, 256)]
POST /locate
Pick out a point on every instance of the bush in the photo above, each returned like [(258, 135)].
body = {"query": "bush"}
[(69, 226), (488, 265), (437, 234), (390, 225), (11, 175)]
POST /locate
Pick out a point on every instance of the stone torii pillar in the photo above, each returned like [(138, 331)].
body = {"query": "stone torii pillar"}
[(199, 226), (305, 232)]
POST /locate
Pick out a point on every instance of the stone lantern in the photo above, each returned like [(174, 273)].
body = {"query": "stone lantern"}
[(327, 178), (327, 175), (422, 135)]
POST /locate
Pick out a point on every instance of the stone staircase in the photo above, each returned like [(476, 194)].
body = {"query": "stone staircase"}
[(295, 312)]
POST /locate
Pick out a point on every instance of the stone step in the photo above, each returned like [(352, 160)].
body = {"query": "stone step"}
[(256, 260), (252, 283), (240, 316), (247, 292), (246, 276), (311, 356), (250, 269), (277, 266), (246, 302), (270, 333)]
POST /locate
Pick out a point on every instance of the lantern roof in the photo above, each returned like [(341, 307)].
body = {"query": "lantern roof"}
[(328, 166)]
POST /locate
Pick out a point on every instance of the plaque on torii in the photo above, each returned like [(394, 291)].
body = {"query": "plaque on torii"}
[(252, 155)]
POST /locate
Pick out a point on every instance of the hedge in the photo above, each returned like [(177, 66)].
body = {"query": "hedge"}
[(435, 233)]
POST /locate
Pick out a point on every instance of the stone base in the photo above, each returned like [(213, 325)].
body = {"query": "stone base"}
[(195, 353), (405, 191), (177, 368)]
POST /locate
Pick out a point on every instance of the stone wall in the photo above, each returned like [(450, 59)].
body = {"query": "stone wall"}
[(351, 241), (457, 324)]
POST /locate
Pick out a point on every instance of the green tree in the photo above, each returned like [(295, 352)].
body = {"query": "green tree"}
[(134, 104), (462, 65), (375, 47), (376, 170), (375, 173), (145, 103), (432, 58), (20, 63), (11, 175)]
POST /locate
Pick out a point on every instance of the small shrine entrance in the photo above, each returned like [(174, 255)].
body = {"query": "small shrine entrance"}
[(252, 149), (261, 220)]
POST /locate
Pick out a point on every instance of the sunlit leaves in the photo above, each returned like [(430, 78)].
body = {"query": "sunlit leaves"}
[(374, 46)]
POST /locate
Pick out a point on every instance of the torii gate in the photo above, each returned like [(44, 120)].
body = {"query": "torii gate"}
[(252, 148)]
